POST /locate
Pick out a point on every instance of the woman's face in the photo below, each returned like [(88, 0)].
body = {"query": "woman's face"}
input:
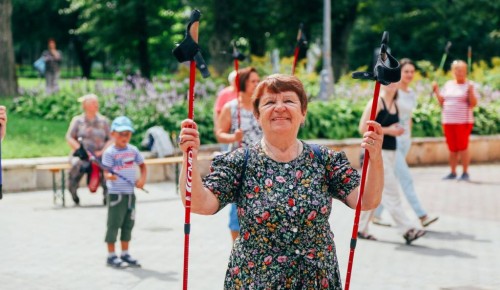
[(460, 72), (407, 73), (252, 82), (52, 44), (90, 106), (280, 113)]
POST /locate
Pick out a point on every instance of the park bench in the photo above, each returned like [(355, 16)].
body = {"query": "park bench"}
[(58, 194)]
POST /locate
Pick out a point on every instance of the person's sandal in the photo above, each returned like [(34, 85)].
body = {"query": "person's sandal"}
[(427, 220), (381, 222), (366, 236), (413, 234)]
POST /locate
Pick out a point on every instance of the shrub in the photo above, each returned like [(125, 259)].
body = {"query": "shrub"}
[(163, 102)]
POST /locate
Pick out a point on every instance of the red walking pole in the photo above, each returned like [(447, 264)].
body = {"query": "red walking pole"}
[(386, 71), (188, 50), (1, 177), (237, 56), (366, 159), (301, 42)]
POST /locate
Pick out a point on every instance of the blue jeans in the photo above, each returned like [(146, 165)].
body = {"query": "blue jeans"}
[(234, 225), (405, 179)]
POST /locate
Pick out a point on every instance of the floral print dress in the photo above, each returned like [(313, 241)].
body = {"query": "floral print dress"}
[(285, 239)]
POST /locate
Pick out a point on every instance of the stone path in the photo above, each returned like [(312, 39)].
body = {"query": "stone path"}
[(48, 247)]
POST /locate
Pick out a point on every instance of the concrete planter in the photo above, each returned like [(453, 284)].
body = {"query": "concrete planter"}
[(21, 175)]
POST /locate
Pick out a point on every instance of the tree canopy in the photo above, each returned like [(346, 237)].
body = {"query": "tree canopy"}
[(140, 34)]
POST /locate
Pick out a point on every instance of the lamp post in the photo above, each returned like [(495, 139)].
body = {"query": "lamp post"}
[(326, 82)]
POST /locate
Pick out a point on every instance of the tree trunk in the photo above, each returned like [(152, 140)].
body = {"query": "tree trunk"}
[(258, 45), (143, 36), (340, 40), (221, 38), (8, 79), (84, 59)]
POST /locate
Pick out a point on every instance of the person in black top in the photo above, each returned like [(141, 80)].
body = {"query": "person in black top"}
[(387, 116)]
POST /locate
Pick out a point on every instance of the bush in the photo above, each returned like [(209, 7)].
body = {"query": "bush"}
[(163, 102), (157, 103)]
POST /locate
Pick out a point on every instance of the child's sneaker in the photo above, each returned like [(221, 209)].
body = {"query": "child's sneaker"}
[(116, 262), (131, 261)]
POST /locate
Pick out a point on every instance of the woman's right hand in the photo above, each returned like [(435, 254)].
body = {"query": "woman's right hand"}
[(238, 135), (189, 136), (372, 140), (435, 87), (395, 130)]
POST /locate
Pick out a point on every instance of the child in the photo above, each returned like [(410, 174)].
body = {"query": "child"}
[(121, 157)]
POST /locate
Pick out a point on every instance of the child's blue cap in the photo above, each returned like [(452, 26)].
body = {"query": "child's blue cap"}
[(121, 124)]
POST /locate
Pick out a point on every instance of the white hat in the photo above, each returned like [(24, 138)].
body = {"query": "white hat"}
[(87, 97)]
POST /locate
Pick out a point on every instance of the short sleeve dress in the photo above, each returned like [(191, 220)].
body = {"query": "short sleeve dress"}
[(285, 239)]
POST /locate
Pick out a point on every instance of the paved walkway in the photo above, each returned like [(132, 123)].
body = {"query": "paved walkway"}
[(48, 247)]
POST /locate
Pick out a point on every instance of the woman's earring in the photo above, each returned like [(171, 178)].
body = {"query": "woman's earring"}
[(303, 124)]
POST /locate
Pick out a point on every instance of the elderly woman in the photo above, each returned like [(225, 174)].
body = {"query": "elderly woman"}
[(457, 98), (284, 189), (244, 132)]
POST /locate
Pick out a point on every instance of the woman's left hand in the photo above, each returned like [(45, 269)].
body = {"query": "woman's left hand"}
[(372, 141), (189, 136)]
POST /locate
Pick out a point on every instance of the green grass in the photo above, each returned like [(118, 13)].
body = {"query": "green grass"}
[(28, 138), (36, 137), (33, 137), (30, 83)]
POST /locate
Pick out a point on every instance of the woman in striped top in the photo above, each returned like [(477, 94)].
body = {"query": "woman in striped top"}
[(457, 99)]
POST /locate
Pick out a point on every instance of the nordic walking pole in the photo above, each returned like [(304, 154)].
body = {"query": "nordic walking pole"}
[(301, 42), (237, 56), (469, 59), (1, 177), (445, 55), (188, 50), (176, 144), (386, 71), (443, 60)]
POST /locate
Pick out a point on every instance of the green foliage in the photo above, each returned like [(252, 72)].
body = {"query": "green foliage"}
[(336, 119), (162, 102), (487, 119), (119, 27), (163, 105), (112, 31), (427, 119), (420, 29)]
